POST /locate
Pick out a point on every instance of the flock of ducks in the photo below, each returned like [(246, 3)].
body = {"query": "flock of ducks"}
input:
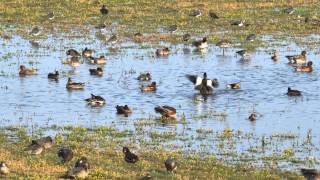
[(202, 84)]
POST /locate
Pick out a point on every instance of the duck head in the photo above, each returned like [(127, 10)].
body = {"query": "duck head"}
[(125, 150), (22, 67), (304, 53), (309, 64)]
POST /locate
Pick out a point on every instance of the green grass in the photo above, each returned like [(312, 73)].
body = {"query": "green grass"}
[(103, 145)]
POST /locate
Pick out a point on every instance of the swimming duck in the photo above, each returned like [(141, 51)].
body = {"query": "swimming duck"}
[(213, 15), (99, 60), (186, 37), (73, 61), (34, 148), (104, 10), (310, 174), (292, 92), (96, 72), (253, 116), (275, 56), (149, 88), (167, 112), (244, 53), (234, 86), (238, 23), (303, 68), (224, 44), (26, 72), (196, 13), (80, 170), (96, 101), (50, 15), (298, 59), (73, 53), (87, 53), (251, 37), (163, 52), (35, 31), (65, 154), (123, 110), (129, 156), (144, 77), (171, 165), (74, 85), (45, 142), (54, 76), (4, 169), (201, 44), (204, 85), (289, 10)]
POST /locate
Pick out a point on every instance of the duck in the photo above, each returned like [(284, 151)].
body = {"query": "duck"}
[(79, 171), (87, 53), (34, 148), (303, 68), (73, 53), (74, 85), (310, 174), (289, 10), (112, 39), (65, 154), (73, 61), (275, 56), (167, 112), (253, 116), (186, 37), (138, 36), (123, 110), (129, 157), (201, 44), (4, 169), (171, 165), (96, 101), (96, 72), (50, 15), (196, 13), (251, 37), (35, 43), (163, 52), (144, 77), (149, 88), (45, 142), (234, 86), (26, 72), (35, 31), (292, 92), (238, 23), (202, 84), (173, 28), (298, 59), (224, 44), (213, 15), (54, 76), (104, 10), (244, 53), (100, 60)]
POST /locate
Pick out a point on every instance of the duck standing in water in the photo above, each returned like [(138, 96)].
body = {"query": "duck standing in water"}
[(26, 72), (167, 112), (303, 68), (125, 110), (292, 92), (244, 53), (298, 59), (129, 157), (74, 85), (201, 44), (203, 85)]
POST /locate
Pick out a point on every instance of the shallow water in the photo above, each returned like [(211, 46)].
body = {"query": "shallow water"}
[(37, 101)]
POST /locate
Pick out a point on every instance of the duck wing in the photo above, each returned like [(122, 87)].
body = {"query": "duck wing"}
[(196, 80), (169, 108)]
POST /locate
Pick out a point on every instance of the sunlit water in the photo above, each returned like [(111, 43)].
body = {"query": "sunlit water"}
[(37, 101)]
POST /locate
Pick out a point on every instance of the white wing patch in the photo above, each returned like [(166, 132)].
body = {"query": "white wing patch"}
[(198, 81), (210, 83)]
